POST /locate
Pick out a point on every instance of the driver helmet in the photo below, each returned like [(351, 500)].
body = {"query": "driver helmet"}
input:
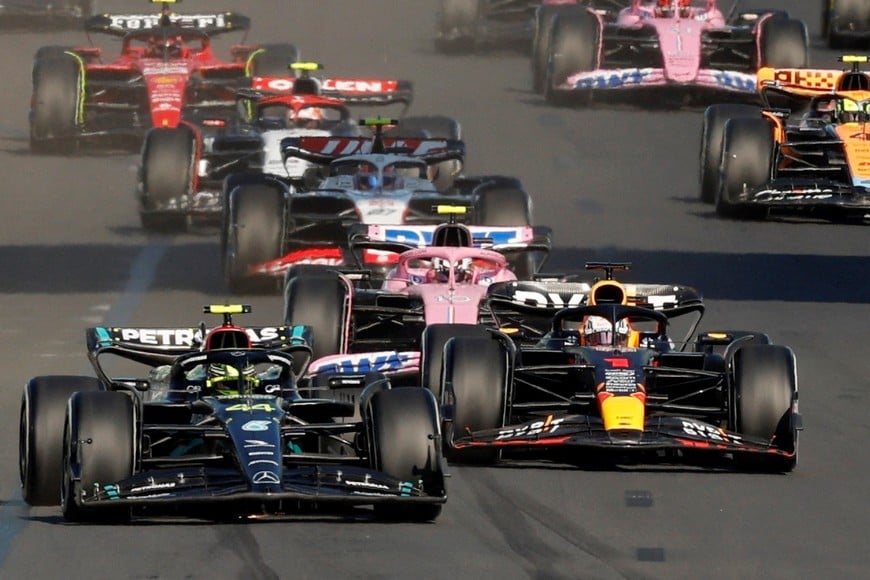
[(464, 271), (366, 179), (598, 331), (440, 271), (223, 379), (848, 111), (308, 118), (670, 7), (166, 47)]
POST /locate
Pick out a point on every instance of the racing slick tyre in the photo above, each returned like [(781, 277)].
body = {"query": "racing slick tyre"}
[(272, 60), (99, 448), (434, 337), (444, 173), (784, 43), (403, 437), (457, 25), (747, 156), (715, 117), (40, 442), (508, 206), (476, 374), (318, 298), (573, 49), (544, 18), (434, 127), (764, 395), (57, 103), (166, 176), (255, 235), (847, 12)]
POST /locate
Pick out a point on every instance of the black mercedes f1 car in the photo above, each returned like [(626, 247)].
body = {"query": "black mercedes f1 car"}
[(221, 429)]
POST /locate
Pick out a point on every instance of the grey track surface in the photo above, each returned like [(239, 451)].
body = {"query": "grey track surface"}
[(613, 183)]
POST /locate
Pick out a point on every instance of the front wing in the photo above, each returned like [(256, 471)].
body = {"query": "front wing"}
[(316, 484), (587, 431), (644, 78)]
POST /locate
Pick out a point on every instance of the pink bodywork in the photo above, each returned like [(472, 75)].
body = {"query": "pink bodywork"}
[(453, 301), (679, 35)]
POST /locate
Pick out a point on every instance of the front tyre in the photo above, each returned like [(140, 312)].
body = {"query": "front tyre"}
[(765, 394), (166, 177), (747, 159), (99, 450), (403, 436)]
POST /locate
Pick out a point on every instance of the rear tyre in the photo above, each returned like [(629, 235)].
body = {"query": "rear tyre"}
[(317, 298), (544, 18), (508, 207), (255, 235), (434, 127), (403, 438), (166, 177), (457, 25), (747, 157), (58, 99), (847, 11), (784, 43), (712, 132), (40, 442), (99, 449), (476, 379), (434, 337), (273, 60), (573, 49), (765, 391)]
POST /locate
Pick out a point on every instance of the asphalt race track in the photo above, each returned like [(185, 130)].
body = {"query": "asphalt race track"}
[(613, 184)]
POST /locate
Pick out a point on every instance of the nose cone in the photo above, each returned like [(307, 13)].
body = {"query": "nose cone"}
[(623, 412)]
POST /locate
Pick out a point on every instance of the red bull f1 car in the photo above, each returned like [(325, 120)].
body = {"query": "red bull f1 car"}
[(605, 379), (804, 154), (228, 433), (166, 71), (679, 50)]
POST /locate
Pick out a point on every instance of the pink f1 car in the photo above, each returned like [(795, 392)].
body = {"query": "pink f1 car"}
[(361, 330), (685, 47)]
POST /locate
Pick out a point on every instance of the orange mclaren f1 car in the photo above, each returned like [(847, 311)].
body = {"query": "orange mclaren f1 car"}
[(807, 151)]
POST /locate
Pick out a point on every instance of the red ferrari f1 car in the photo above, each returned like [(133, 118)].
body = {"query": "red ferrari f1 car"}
[(166, 71)]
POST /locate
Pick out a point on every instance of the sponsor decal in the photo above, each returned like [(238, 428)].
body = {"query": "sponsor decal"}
[(620, 380), (257, 443), (547, 426), (550, 299), (384, 362), (366, 483), (153, 486), (146, 21), (250, 407), (618, 362), (186, 336), (256, 426), (421, 237), (266, 477), (709, 432)]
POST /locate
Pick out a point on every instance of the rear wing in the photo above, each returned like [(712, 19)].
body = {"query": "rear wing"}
[(552, 295), (211, 24), (350, 91), (528, 307), (324, 150), (163, 344), (420, 236), (798, 81)]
